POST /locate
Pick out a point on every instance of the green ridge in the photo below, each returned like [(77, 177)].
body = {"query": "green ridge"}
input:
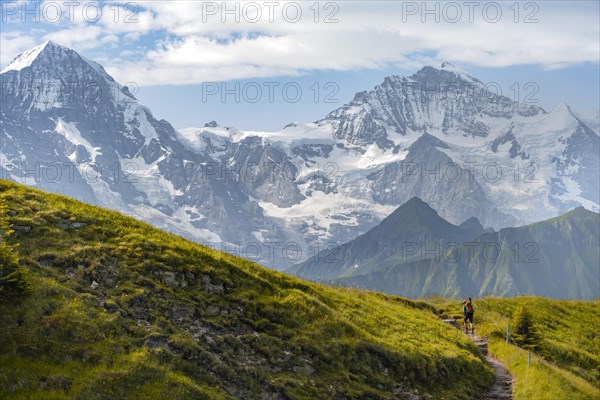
[(556, 258)]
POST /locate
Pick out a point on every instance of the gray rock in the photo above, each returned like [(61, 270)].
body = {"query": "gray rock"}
[(211, 288), (169, 278), (213, 310), (71, 225), (21, 228), (305, 369), (157, 342)]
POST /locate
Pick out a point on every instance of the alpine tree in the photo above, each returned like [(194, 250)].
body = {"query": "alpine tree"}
[(523, 329)]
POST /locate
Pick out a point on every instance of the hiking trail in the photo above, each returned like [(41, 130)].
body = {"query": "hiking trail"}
[(502, 388)]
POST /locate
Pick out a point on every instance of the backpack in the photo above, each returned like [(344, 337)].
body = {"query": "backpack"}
[(470, 308)]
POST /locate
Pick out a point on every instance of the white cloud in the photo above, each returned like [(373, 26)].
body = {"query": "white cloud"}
[(78, 37), (197, 46), (13, 43)]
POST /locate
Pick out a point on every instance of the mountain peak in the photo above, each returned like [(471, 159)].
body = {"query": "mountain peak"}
[(446, 73), (580, 211), (427, 140), (448, 66), (563, 108), (415, 207), (416, 201), (561, 115), (473, 226), (26, 58), (50, 43)]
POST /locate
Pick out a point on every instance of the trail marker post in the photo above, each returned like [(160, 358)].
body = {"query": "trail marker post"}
[(507, 333)]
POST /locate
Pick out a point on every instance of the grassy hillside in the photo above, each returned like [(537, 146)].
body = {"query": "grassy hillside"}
[(565, 344), (118, 309)]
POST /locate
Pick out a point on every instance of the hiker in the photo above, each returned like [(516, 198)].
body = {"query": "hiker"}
[(468, 312)]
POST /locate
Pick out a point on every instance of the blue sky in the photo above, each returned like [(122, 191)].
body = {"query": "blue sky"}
[(182, 54)]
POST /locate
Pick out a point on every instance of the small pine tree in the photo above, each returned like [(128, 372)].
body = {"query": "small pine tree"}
[(523, 329), (14, 281)]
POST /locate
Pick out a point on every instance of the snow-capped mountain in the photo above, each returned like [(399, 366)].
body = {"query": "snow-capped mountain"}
[(279, 197), (445, 100), (68, 127)]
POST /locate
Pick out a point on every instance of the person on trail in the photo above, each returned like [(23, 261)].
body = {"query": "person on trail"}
[(468, 312)]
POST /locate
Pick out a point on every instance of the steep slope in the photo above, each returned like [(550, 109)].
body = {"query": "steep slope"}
[(119, 309), (557, 258), (411, 231)]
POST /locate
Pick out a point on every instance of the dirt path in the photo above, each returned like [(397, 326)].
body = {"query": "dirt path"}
[(502, 387)]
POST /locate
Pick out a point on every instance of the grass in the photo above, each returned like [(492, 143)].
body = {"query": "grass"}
[(172, 319), (566, 363), (541, 380)]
